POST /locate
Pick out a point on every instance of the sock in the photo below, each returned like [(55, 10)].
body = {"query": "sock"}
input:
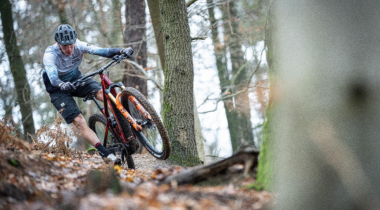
[(102, 151)]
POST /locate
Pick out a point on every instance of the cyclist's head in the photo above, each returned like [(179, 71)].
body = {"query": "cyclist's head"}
[(65, 34)]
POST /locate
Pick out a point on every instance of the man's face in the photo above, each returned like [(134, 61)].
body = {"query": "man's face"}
[(67, 49)]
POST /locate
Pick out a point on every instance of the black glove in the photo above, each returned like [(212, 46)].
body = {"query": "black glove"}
[(66, 86), (127, 51)]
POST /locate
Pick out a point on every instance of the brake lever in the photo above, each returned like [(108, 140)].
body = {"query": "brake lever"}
[(79, 82), (121, 57), (76, 83)]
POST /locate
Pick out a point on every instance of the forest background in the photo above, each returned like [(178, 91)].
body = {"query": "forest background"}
[(228, 46), (323, 113)]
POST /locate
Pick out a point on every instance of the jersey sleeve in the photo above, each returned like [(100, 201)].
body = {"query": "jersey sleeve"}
[(50, 67), (94, 50)]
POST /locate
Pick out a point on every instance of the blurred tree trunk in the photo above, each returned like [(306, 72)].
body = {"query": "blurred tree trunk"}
[(327, 112), (265, 170), (17, 68), (179, 78), (61, 12), (100, 22), (7, 96), (60, 6), (116, 31), (154, 10), (238, 109), (135, 33), (224, 78)]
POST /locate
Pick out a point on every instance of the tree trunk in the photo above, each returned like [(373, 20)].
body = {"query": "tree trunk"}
[(135, 33), (17, 68), (224, 74), (327, 112), (179, 78), (62, 12), (116, 31), (265, 170), (240, 106), (237, 108), (154, 10), (100, 22)]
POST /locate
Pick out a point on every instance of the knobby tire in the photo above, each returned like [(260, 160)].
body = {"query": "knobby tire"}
[(158, 131)]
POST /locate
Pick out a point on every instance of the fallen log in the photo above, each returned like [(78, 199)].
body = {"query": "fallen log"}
[(247, 156)]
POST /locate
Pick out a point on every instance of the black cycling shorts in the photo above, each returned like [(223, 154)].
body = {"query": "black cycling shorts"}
[(64, 102)]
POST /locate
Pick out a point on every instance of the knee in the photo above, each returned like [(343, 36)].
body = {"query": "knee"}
[(99, 95), (79, 121)]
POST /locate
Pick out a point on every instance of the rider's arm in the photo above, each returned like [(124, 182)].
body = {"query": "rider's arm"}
[(94, 50), (51, 68)]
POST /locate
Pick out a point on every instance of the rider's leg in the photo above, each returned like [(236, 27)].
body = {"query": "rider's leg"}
[(92, 139), (86, 132)]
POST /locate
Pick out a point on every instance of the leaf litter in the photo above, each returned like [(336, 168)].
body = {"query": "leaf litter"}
[(50, 174)]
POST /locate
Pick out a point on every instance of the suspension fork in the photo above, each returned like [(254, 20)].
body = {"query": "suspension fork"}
[(140, 108), (126, 114), (117, 102)]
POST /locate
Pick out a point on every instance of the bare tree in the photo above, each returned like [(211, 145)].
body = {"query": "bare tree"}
[(179, 78), (135, 33), (17, 68)]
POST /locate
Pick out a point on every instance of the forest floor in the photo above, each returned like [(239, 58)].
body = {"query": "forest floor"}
[(39, 176)]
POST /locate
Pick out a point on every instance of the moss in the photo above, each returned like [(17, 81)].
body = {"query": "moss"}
[(167, 108), (265, 167), (13, 162), (188, 160)]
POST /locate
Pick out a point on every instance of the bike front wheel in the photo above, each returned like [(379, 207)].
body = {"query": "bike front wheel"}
[(154, 136)]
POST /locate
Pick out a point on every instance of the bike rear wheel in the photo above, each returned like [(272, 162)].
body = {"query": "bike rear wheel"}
[(98, 123), (153, 137)]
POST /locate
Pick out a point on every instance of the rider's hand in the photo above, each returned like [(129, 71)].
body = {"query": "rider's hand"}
[(127, 51), (66, 86)]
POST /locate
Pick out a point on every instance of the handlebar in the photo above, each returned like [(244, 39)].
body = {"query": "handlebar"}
[(116, 59)]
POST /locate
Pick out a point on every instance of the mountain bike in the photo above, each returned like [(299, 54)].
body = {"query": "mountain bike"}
[(126, 118)]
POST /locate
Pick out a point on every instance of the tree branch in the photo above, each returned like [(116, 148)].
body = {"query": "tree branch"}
[(188, 4), (225, 94), (198, 38), (247, 156), (159, 86)]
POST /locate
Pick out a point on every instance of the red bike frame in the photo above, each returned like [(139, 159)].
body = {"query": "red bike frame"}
[(111, 97), (116, 131)]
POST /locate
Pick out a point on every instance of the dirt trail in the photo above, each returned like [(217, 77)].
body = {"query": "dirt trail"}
[(37, 180), (40, 178)]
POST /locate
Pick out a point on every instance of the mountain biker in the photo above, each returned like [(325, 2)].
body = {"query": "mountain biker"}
[(61, 62)]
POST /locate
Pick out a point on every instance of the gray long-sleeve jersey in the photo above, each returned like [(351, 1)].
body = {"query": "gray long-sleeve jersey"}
[(61, 68)]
